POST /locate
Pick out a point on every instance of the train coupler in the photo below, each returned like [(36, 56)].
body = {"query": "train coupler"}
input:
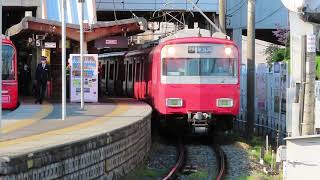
[(199, 119)]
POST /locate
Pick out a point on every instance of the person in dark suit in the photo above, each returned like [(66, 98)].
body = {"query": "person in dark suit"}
[(26, 76), (42, 76)]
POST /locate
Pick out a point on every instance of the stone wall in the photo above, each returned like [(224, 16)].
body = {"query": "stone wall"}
[(108, 156)]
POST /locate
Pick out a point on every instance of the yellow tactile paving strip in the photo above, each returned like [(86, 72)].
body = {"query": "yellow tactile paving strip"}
[(120, 108), (45, 110)]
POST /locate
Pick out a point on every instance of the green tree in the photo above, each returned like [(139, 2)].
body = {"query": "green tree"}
[(277, 53)]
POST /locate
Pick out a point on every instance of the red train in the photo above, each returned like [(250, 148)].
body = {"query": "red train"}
[(194, 79), (9, 75)]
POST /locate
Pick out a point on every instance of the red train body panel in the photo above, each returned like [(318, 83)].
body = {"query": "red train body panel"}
[(196, 98), (9, 75)]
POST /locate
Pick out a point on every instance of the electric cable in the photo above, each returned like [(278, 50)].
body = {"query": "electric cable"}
[(237, 10)]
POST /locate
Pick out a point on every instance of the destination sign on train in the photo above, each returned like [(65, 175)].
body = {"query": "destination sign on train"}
[(199, 49)]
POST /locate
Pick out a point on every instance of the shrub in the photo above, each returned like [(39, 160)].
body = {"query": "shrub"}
[(276, 53)]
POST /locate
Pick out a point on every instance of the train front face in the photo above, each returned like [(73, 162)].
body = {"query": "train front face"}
[(200, 81)]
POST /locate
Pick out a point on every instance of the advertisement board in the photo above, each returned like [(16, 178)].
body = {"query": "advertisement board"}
[(90, 74)]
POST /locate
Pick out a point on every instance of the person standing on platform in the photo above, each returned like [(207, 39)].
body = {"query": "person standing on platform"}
[(42, 76), (26, 76)]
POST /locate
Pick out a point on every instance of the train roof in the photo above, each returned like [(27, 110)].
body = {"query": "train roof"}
[(138, 51), (196, 36), (112, 54), (187, 33), (198, 40)]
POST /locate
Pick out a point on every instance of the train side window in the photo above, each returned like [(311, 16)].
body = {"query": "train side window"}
[(8, 62), (130, 72), (111, 71), (138, 72)]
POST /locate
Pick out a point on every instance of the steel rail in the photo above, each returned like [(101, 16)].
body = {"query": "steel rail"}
[(221, 158), (178, 164)]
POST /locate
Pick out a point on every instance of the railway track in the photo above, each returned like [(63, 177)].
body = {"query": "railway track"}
[(221, 159), (181, 162)]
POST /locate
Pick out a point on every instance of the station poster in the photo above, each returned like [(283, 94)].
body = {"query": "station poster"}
[(90, 73)]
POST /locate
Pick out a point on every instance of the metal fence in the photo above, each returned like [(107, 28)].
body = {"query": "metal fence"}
[(270, 101)]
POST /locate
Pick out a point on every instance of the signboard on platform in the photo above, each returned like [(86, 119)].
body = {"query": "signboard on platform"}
[(50, 45), (90, 73), (311, 43), (111, 42)]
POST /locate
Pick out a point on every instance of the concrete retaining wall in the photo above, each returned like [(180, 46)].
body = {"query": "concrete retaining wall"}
[(108, 156)]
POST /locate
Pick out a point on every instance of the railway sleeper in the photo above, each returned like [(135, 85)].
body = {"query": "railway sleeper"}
[(188, 169)]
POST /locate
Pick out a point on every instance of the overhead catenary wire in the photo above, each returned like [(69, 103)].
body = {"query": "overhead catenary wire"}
[(152, 3), (235, 6), (262, 19), (238, 9), (271, 14)]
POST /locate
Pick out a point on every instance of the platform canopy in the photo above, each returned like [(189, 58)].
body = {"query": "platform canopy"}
[(95, 31)]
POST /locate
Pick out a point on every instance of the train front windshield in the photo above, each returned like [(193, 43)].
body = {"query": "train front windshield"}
[(199, 67), (7, 62), (199, 63)]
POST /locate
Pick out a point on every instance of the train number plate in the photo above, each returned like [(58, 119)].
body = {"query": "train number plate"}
[(199, 49)]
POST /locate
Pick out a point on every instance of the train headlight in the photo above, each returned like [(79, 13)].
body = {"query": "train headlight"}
[(224, 102), (171, 51), (174, 102), (228, 51)]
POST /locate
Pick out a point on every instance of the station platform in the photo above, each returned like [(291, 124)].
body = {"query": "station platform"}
[(105, 140)]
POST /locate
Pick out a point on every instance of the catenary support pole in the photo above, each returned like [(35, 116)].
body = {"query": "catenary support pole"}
[(309, 92), (1, 69), (81, 53), (251, 68), (63, 68), (222, 15)]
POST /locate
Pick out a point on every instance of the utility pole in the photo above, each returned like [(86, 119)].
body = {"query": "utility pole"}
[(1, 69), (250, 68), (222, 15), (309, 86), (63, 68), (81, 53)]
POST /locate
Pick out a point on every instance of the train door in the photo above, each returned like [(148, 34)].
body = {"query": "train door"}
[(137, 79), (124, 83), (102, 76), (130, 77), (111, 77), (119, 77), (143, 81)]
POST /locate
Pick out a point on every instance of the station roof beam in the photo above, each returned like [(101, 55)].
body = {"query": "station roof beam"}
[(97, 30)]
